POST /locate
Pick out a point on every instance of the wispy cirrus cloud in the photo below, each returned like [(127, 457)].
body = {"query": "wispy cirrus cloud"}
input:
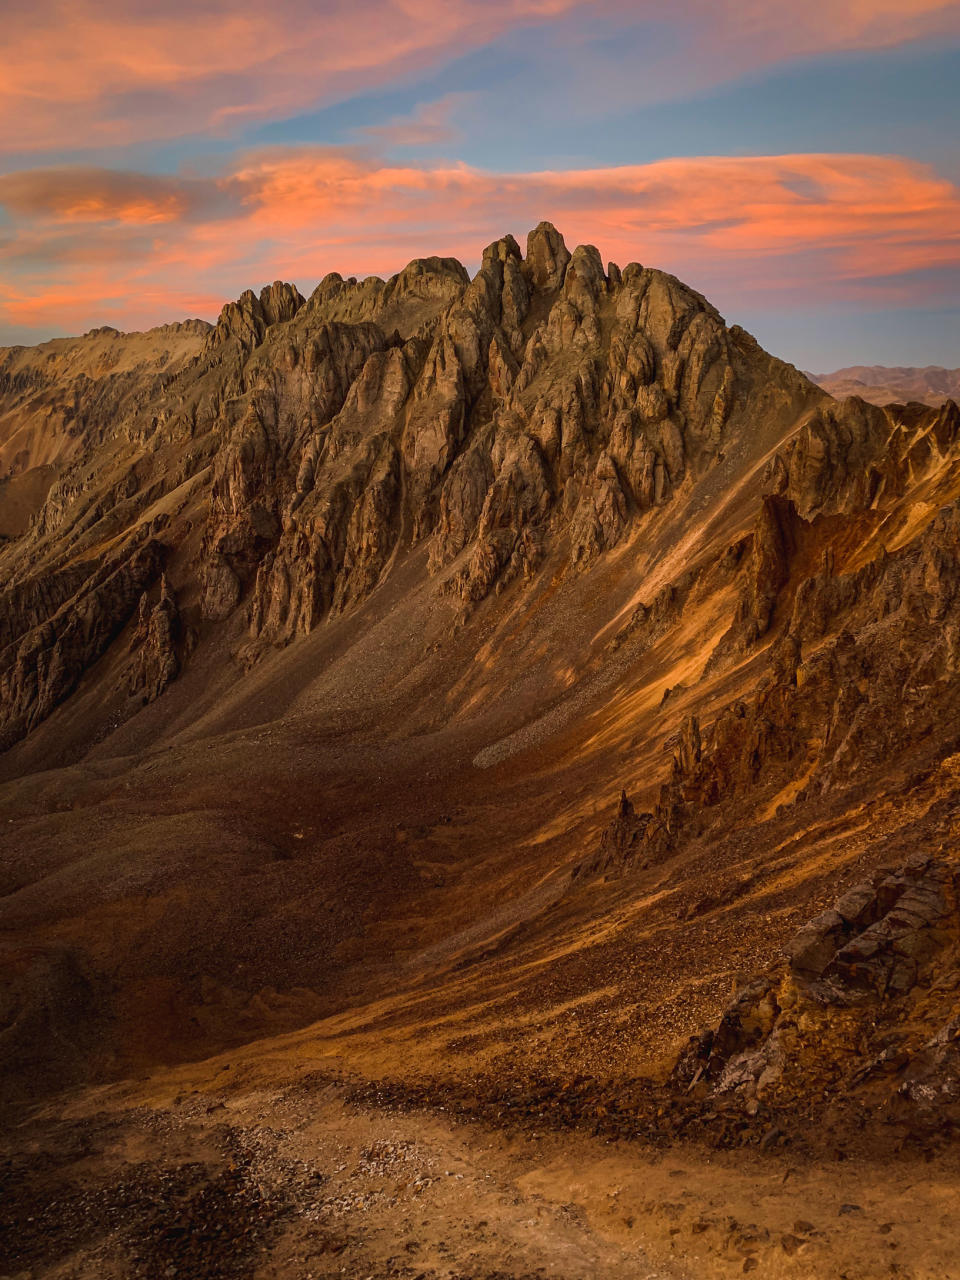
[(428, 125), (92, 247), (101, 73), (106, 73)]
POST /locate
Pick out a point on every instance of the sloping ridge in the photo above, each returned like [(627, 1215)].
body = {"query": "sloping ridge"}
[(301, 574)]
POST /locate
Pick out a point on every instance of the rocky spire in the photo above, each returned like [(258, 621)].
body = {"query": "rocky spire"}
[(547, 257)]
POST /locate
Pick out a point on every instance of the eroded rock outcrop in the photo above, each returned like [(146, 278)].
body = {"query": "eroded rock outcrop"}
[(41, 669), (853, 669), (851, 455), (497, 431), (247, 320), (853, 1004), (622, 844), (155, 644), (775, 541)]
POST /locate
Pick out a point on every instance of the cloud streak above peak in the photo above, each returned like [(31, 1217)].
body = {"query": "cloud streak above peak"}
[(90, 247)]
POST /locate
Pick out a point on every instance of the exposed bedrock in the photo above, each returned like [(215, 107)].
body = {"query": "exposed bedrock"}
[(547, 413), (860, 1002)]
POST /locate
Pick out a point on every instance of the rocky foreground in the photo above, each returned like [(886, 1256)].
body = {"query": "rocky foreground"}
[(329, 637)]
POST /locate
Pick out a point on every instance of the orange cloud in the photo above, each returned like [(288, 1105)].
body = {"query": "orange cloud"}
[(76, 194), (802, 226), (109, 72)]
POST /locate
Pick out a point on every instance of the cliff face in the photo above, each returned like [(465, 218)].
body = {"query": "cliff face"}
[(284, 599), (546, 405)]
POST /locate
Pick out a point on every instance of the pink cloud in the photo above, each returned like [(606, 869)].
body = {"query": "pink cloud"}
[(108, 72), (739, 228)]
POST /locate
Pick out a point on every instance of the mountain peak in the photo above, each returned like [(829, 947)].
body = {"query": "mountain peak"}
[(547, 256), (329, 638)]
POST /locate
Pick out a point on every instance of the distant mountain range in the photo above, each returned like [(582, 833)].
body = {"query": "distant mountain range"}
[(879, 384)]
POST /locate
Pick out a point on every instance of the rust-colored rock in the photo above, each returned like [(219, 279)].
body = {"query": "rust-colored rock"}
[(330, 634)]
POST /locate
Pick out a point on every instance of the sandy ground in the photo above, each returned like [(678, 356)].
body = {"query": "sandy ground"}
[(300, 1182)]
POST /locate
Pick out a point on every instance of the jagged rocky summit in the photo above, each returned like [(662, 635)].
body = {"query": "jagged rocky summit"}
[(545, 406), (558, 522)]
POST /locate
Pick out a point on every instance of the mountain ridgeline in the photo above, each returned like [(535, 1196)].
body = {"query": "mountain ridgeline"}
[(546, 406), (330, 634)]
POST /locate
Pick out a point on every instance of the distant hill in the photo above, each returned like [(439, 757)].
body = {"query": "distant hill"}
[(882, 385)]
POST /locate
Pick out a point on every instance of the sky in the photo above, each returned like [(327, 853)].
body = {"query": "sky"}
[(797, 163)]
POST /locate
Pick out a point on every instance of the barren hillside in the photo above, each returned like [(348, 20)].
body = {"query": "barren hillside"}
[(475, 712)]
